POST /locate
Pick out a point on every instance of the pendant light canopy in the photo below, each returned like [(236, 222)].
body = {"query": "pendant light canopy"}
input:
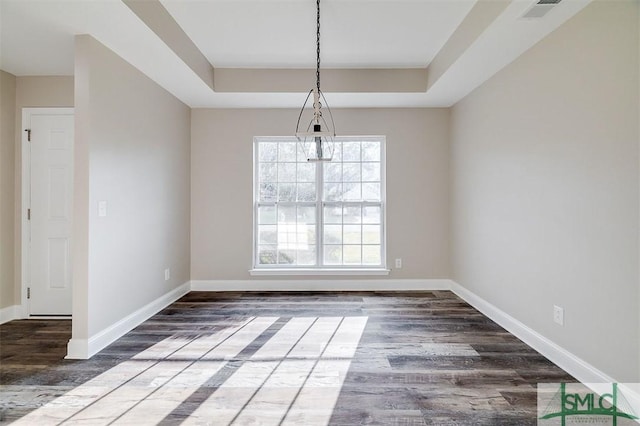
[(316, 140)]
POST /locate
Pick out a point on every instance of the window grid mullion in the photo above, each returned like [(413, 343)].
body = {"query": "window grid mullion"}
[(277, 207), (361, 210), (256, 198), (295, 185), (319, 214)]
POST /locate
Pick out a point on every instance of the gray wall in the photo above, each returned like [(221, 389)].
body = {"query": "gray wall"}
[(132, 150), (222, 185), (7, 184), (544, 169)]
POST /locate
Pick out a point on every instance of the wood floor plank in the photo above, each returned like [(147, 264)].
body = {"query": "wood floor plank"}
[(339, 358)]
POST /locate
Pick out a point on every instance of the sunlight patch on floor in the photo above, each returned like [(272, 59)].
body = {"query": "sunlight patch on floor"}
[(295, 377)]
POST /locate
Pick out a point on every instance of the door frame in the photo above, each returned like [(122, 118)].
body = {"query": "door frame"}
[(25, 258)]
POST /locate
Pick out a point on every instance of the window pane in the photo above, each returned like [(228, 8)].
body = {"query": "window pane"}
[(337, 153), (306, 172), (268, 172), (333, 192), (306, 236), (287, 229), (333, 172), (287, 214), (371, 255), (306, 192), (287, 236), (332, 214), (287, 192), (333, 234), (267, 234), (371, 214), (352, 235), (286, 172), (352, 214), (371, 234), (352, 255), (351, 151), (352, 191), (287, 151), (371, 172), (371, 191), (267, 214), (267, 255), (268, 192), (286, 257), (351, 172), (307, 257), (333, 255), (370, 151), (306, 214), (267, 151), (302, 237)]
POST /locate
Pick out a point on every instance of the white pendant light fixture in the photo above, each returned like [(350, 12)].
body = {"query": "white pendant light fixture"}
[(317, 139)]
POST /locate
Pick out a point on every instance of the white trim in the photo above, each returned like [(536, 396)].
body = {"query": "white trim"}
[(258, 269), (78, 349), (49, 317), (302, 271), (26, 203), (86, 348), (10, 313), (321, 285), (572, 364)]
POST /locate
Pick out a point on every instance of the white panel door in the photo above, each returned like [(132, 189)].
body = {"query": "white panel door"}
[(51, 207)]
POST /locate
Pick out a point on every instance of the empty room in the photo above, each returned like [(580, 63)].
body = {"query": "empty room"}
[(320, 212)]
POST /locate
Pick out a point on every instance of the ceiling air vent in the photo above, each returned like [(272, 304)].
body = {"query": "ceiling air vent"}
[(541, 8)]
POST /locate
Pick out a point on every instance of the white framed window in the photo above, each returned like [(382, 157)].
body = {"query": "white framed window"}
[(319, 215)]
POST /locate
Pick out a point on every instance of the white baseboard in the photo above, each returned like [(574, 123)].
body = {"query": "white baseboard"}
[(10, 313), (86, 348), (78, 349), (575, 366), (631, 392), (572, 364), (322, 285)]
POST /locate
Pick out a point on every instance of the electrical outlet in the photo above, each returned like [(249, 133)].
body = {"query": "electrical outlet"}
[(558, 315), (167, 274), (398, 263)]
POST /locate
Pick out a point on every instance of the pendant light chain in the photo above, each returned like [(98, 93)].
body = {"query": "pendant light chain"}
[(317, 143), (318, 46)]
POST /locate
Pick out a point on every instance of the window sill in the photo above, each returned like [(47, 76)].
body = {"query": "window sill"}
[(294, 271)]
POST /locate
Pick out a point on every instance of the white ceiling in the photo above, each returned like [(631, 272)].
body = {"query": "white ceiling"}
[(37, 38), (355, 34)]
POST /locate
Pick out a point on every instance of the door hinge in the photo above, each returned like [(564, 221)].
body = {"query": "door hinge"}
[(28, 292), (28, 214), (28, 134)]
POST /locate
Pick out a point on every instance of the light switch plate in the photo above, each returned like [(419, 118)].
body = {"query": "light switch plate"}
[(102, 209)]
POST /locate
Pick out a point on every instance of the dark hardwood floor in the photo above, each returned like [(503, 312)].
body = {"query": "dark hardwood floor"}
[(348, 358)]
